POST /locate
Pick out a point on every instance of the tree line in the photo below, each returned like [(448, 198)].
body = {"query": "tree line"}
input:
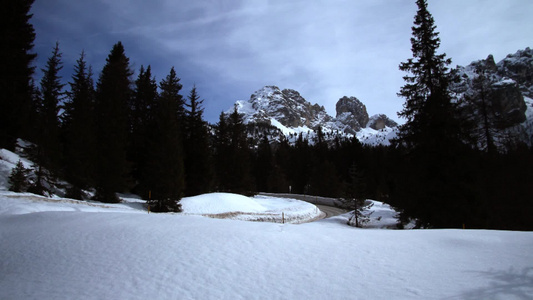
[(120, 134)]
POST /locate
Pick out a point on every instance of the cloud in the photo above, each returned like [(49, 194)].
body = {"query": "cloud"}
[(323, 49)]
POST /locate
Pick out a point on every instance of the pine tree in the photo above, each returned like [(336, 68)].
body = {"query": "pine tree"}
[(79, 134), (142, 107), (240, 176), (221, 153), (167, 181), (278, 180), (198, 163), (232, 155), (47, 151), (17, 36), (354, 199), (434, 132), (18, 180), (52, 95), (302, 161), (488, 124), (432, 116), (264, 165), (112, 97), (324, 180)]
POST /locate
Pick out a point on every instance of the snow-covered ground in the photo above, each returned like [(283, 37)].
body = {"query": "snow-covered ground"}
[(258, 208), (63, 249), (56, 248)]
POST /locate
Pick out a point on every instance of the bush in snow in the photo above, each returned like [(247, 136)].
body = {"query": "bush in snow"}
[(167, 205), (355, 200), (360, 215), (18, 180)]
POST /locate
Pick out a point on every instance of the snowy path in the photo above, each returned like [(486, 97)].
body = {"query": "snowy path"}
[(330, 211)]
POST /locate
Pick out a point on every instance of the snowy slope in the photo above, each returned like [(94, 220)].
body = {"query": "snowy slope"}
[(8, 161), (126, 254)]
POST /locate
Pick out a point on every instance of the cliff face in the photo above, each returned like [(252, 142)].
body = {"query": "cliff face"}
[(505, 90), (352, 112), (286, 106), (519, 67)]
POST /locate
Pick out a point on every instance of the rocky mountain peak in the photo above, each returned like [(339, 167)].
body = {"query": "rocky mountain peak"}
[(285, 106), (380, 121), (507, 87), (487, 64), (506, 82), (352, 112), (519, 67), (288, 113)]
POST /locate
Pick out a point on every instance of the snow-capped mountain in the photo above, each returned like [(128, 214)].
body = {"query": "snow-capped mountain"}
[(507, 89), (287, 113)]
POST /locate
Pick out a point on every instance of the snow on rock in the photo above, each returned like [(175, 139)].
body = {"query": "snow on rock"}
[(374, 137)]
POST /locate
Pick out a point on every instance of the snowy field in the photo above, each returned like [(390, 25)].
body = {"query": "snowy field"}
[(56, 248), (66, 249)]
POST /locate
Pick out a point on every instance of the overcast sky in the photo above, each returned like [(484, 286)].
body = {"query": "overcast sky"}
[(325, 49)]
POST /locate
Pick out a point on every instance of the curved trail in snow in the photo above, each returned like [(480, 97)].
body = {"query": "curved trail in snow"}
[(326, 205)]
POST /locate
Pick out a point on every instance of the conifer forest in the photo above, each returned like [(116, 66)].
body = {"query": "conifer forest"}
[(119, 130)]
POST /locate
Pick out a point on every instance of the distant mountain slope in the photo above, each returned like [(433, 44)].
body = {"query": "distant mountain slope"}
[(289, 114), (508, 89), (285, 113)]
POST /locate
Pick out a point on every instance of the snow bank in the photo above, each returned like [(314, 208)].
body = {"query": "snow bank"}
[(259, 208), (217, 203), (25, 203)]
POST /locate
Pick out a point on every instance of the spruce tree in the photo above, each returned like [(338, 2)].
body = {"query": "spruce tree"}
[(167, 182), (488, 123), (278, 181), (79, 134), (433, 134), (18, 180), (198, 162), (324, 180), (46, 153), (17, 35), (240, 176), (232, 155), (264, 166), (302, 161), (431, 115), (354, 199), (221, 153), (113, 94), (142, 107), (52, 95)]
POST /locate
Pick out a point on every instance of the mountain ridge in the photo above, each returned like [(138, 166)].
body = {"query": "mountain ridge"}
[(291, 114), (285, 110)]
